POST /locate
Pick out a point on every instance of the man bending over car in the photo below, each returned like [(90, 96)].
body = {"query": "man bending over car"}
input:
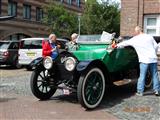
[(146, 48)]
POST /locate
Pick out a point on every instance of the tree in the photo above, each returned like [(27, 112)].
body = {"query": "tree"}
[(61, 21), (97, 17), (100, 17)]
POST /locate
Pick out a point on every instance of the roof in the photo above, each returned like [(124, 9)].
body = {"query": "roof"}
[(8, 41), (35, 39), (61, 39)]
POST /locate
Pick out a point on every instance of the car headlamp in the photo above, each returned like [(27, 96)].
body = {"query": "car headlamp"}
[(47, 62), (70, 63)]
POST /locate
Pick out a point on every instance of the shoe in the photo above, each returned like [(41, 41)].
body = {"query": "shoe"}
[(139, 94), (157, 93)]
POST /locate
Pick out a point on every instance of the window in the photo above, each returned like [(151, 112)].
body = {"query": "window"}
[(78, 3), (14, 45), (12, 8), (26, 11), (69, 2), (39, 14), (152, 25), (16, 37), (0, 7), (31, 44), (4, 45)]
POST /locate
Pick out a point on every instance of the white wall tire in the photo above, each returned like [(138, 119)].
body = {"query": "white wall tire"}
[(96, 90)]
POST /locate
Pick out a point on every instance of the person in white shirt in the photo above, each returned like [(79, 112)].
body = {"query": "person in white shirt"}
[(146, 48)]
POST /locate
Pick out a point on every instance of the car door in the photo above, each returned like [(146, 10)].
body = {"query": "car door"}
[(122, 59), (13, 51)]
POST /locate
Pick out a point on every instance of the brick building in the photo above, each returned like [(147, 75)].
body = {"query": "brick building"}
[(29, 14), (145, 13)]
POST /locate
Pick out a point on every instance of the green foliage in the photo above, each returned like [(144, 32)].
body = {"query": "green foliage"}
[(97, 17), (100, 17), (61, 21)]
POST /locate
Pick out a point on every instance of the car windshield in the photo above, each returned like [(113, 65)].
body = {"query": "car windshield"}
[(4, 45), (94, 39), (88, 38)]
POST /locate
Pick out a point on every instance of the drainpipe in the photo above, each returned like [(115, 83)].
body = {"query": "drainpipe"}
[(143, 15), (138, 13)]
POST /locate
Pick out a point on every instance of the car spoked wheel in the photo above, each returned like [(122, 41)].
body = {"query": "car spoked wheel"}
[(91, 88), (40, 84), (148, 82)]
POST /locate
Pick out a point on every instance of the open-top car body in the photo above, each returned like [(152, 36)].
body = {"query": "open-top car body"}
[(88, 70)]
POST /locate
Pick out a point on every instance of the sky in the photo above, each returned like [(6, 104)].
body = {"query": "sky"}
[(116, 0), (112, 0)]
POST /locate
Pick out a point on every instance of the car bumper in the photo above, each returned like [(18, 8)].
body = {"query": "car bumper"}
[(25, 61), (4, 61)]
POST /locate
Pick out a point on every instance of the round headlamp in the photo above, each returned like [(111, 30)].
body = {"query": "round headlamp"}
[(47, 62), (70, 63)]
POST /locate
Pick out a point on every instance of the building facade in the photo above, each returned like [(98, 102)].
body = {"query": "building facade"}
[(145, 13), (28, 17)]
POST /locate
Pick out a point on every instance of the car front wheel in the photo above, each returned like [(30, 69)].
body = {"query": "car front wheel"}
[(40, 84), (91, 88)]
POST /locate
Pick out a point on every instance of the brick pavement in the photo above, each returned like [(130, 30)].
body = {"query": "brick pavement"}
[(14, 107), (9, 72)]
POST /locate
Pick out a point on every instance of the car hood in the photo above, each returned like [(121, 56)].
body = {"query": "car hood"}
[(3, 50)]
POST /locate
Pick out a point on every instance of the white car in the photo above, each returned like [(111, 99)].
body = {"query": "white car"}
[(30, 49)]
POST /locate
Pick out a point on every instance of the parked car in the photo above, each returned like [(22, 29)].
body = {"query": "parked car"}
[(88, 71), (9, 53), (31, 49)]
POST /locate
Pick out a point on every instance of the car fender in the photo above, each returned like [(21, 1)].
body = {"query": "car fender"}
[(83, 65), (36, 62)]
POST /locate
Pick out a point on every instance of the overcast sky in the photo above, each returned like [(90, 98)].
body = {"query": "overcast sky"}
[(116, 0), (113, 0)]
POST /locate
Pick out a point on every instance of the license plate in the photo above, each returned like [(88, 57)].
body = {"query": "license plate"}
[(31, 54), (66, 92)]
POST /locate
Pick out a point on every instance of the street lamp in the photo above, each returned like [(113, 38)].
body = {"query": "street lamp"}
[(79, 23)]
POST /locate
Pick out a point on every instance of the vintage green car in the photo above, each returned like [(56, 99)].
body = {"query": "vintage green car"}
[(89, 70)]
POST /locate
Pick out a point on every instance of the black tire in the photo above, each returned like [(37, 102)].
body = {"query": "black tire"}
[(148, 81), (29, 68), (40, 84), (91, 94), (16, 64)]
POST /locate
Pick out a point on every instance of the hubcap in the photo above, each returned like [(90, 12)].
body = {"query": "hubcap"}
[(93, 88), (43, 82)]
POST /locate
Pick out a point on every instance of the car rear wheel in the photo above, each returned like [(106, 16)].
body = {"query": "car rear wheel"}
[(40, 84), (17, 65), (29, 68), (91, 88), (148, 82)]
